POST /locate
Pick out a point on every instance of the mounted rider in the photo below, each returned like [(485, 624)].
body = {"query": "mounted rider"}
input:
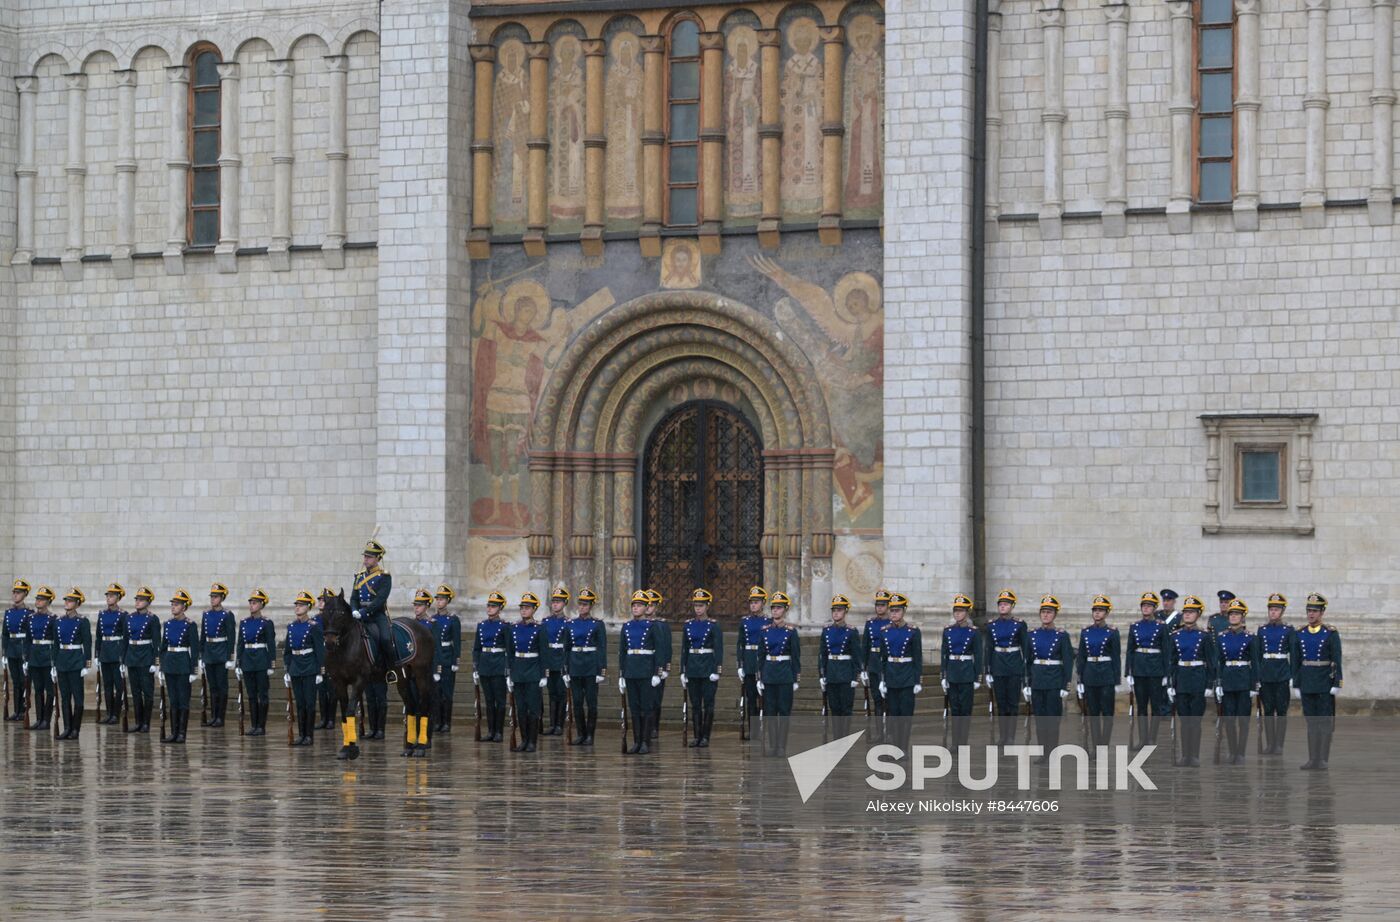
[(369, 601)]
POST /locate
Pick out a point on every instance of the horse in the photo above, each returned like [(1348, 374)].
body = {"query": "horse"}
[(349, 667)]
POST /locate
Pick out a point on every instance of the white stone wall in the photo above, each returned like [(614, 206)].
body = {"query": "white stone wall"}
[(9, 116)]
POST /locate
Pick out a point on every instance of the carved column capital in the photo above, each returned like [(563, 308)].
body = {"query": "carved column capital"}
[(228, 70), (27, 84), (75, 81), (125, 78), (338, 63), (480, 53)]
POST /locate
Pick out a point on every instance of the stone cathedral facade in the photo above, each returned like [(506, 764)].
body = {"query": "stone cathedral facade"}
[(812, 294)]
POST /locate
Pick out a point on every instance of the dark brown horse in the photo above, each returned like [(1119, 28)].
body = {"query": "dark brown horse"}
[(348, 664)]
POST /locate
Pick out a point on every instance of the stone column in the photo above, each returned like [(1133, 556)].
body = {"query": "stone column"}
[(537, 191), (337, 158), (770, 134), (711, 140), (1115, 113), (279, 253), (653, 136), (818, 488), (833, 132), (177, 164), (25, 174), (595, 145), (483, 149), (540, 545), (993, 167), (1246, 205), (230, 165), (1380, 202), (126, 174), (76, 171), (580, 571), (1315, 104), (1052, 120), (1182, 108), (624, 540)]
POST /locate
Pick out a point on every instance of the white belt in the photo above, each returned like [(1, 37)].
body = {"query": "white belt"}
[(1237, 662), (641, 652), (493, 650), (139, 643), (585, 649), (177, 649), (255, 646), (530, 655), (779, 659), (1045, 662), (18, 636), (750, 646), (1148, 650), (1098, 659), (702, 650), (43, 643), (961, 657), (1008, 649), (900, 659), (70, 646), (445, 643), (303, 651), (1275, 656), (556, 646), (1192, 662), (1317, 662), (839, 656)]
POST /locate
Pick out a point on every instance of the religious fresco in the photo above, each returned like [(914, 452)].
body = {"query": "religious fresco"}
[(743, 193), (864, 110), (511, 109), (680, 264), (566, 134), (622, 104), (801, 97)]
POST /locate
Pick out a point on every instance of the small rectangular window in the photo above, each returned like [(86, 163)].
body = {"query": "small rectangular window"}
[(1260, 474)]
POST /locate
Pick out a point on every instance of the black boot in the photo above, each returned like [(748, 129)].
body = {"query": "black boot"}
[(648, 733), (181, 724), (1280, 732), (533, 727), (174, 733), (1311, 764)]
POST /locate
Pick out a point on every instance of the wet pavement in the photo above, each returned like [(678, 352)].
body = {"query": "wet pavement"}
[(121, 827)]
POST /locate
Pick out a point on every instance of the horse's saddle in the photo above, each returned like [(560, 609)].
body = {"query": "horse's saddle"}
[(405, 646)]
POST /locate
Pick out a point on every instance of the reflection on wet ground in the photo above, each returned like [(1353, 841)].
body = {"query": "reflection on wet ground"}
[(122, 827)]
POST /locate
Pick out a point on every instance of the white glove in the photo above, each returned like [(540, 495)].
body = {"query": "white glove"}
[(1026, 692), (1254, 693), (1164, 681), (1210, 693), (1118, 689), (854, 683), (1079, 689), (665, 674), (4, 662), (229, 664), (990, 680), (437, 677), (193, 678), (794, 686), (599, 679), (287, 679), (121, 670), (155, 669), (1130, 681), (822, 682), (476, 678), (544, 682), (714, 677), (319, 678), (864, 678), (918, 688), (510, 684), (682, 680), (199, 670), (655, 681), (237, 672), (884, 689), (454, 667), (1219, 692), (944, 683), (760, 686), (53, 674), (567, 682), (621, 686), (1336, 690), (741, 672), (976, 684), (357, 614), (82, 673), (1171, 694), (1064, 693), (24, 668), (1297, 695)]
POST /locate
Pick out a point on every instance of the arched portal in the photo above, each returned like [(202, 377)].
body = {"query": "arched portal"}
[(702, 507)]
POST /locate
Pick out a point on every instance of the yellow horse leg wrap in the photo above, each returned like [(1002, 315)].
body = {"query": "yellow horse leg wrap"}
[(422, 730), (350, 737), (344, 734), (412, 730)]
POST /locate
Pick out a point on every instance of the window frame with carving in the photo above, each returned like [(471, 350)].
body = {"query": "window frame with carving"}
[(1229, 437), (202, 167), (1201, 72), (691, 102)]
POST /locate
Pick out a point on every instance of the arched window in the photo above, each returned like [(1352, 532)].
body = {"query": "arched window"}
[(1215, 94), (204, 146), (683, 125)]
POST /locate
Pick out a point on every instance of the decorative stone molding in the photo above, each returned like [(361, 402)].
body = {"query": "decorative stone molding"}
[(1226, 433)]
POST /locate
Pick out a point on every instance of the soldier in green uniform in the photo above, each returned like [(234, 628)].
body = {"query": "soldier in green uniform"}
[(553, 660), (1236, 679), (448, 629), (304, 662), (40, 658), (1220, 621), (840, 663), (639, 670), (256, 652), (325, 692), (1006, 664), (1274, 641), (14, 647), (142, 645), (1192, 675), (490, 663), (1049, 670), (1099, 660), (527, 678), (585, 666), (702, 655), (962, 666), (664, 650), (369, 600), (901, 669), (746, 648), (874, 657), (1317, 680), (111, 650), (179, 663), (782, 669), (216, 628), (72, 635)]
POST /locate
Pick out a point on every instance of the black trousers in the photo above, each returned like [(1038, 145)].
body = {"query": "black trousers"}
[(878, 702), (529, 699), (1190, 709), (113, 687), (143, 692), (70, 695), (840, 698), (641, 705), (447, 690), (376, 704), (777, 702), (304, 697), (1234, 709), (1152, 704), (701, 693), (751, 693), (1098, 704), (218, 686), (325, 694), (584, 691), (1273, 696), (1006, 693), (493, 689), (42, 684), (1320, 710), (178, 687), (17, 683), (1048, 708), (256, 697)]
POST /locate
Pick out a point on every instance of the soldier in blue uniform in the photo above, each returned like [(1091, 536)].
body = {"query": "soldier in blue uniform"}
[(14, 647), (448, 629), (142, 645), (1168, 614), (527, 679), (1006, 665), (1049, 671), (961, 666), (1146, 669), (111, 651), (179, 663), (216, 635), (255, 654), (702, 653), (1099, 662), (1236, 679), (840, 663), (872, 634), (39, 658), (369, 600), (490, 663), (303, 664), (901, 669), (585, 666), (746, 648), (325, 692), (1220, 621), (781, 672), (553, 659), (72, 636), (664, 650), (639, 670), (1191, 676), (1317, 680), (1274, 643)]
